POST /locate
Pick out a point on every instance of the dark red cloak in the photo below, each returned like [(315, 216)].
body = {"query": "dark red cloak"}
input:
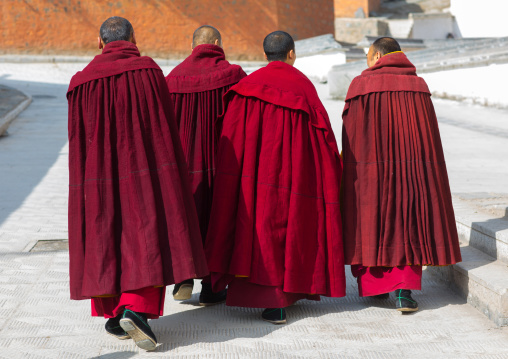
[(197, 86), (397, 206), (132, 221), (275, 215)]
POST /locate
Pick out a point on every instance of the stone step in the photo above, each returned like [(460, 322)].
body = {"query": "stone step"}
[(482, 223), (482, 280)]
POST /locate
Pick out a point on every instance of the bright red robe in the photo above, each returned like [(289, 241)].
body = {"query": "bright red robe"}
[(397, 206), (275, 218), (197, 86), (132, 221), (149, 301), (379, 280)]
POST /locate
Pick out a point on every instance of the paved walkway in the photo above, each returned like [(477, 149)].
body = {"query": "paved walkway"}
[(37, 320)]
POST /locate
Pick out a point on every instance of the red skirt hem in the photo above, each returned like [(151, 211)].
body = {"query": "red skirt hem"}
[(241, 293), (149, 301)]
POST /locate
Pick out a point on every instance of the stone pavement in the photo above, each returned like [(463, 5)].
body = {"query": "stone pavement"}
[(37, 319)]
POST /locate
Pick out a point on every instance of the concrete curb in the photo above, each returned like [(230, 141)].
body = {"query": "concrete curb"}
[(482, 280), (10, 116), (482, 276)]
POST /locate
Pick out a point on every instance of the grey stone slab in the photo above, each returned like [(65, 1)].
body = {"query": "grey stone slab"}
[(482, 280), (479, 228), (317, 45)]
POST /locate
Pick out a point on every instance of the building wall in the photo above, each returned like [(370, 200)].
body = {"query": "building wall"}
[(347, 8), (354, 30), (163, 27)]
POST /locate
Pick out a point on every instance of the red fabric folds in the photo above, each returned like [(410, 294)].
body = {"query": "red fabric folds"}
[(275, 213), (196, 109), (132, 221), (283, 85), (117, 57), (145, 300), (397, 202), (242, 293), (379, 280), (205, 69)]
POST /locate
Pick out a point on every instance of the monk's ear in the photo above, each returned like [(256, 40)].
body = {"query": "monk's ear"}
[(266, 57), (100, 43), (291, 57), (217, 42), (133, 38)]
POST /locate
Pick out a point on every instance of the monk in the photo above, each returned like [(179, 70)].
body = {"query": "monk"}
[(197, 86), (133, 228), (397, 208), (275, 233)]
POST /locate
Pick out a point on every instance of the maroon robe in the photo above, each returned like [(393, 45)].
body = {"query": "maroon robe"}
[(132, 221), (197, 86), (275, 219), (397, 206)]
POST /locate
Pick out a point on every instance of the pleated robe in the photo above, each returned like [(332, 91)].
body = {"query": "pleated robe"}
[(275, 229), (197, 86), (397, 206), (132, 220)]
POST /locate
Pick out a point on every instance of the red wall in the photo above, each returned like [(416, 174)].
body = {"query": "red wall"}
[(163, 27), (347, 8)]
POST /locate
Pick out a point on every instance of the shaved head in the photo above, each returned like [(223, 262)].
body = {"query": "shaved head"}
[(381, 47), (277, 45), (206, 34), (385, 45), (116, 28)]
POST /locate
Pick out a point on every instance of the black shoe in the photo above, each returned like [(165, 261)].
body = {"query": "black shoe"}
[(136, 325), (381, 296), (404, 302), (183, 290), (274, 315), (113, 328), (207, 297)]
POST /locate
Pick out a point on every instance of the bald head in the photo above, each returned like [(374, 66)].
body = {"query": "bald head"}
[(116, 28), (206, 34), (381, 47)]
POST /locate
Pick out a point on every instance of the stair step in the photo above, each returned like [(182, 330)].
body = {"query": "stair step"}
[(481, 279), (481, 230)]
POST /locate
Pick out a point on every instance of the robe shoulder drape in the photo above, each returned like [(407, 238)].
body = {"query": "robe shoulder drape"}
[(397, 207), (275, 214), (197, 86), (132, 221)]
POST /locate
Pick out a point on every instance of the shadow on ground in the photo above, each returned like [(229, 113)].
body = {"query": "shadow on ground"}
[(220, 324), (34, 142)]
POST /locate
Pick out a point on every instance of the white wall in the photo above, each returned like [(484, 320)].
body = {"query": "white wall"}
[(432, 26), (400, 28), (486, 18), (316, 67), (479, 85)]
